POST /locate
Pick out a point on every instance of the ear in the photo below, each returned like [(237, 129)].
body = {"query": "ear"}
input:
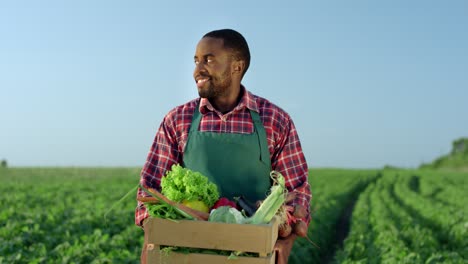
[(238, 67)]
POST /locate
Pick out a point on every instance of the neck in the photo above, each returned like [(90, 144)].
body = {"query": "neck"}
[(227, 103), (223, 107)]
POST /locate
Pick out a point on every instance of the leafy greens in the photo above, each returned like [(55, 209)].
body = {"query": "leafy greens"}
[(182, 184)]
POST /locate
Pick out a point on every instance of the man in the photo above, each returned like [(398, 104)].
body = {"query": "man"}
[(229, 134)]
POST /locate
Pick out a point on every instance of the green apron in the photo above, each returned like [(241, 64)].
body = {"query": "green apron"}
[(239, 164)]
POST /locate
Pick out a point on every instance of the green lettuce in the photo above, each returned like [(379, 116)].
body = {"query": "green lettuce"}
[(182, 184)]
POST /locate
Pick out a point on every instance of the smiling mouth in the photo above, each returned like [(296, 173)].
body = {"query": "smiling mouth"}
[(202, 81)]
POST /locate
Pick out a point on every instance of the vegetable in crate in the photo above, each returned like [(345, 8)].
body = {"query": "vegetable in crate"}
[(190, 188), (223, 201), (184, 211), (264, 214), (226, 214), (272, 204)]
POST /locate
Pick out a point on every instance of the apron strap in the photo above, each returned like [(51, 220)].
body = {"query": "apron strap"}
[(196, 118), (262, 138)]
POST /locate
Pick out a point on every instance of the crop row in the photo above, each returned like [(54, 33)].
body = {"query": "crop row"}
[(62, 215), (334, 192), (50, 215), (57, 216), (402, 219)]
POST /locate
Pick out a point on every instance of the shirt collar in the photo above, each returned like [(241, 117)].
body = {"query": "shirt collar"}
[(247, 101)]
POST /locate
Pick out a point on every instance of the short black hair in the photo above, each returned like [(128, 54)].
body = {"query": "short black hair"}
[(235, 41)]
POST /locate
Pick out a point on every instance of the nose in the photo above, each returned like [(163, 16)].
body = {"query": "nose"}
[(199, 68)]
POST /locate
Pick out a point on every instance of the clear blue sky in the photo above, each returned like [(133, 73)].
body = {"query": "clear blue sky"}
[(367, 83)]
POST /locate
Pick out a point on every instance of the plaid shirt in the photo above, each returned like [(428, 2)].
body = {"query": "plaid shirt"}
[(283, 143)]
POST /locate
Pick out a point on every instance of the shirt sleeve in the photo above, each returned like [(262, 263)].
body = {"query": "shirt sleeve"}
[(162, 155), (290, 161)]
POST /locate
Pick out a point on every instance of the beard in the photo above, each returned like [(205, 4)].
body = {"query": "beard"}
[(216, 87)]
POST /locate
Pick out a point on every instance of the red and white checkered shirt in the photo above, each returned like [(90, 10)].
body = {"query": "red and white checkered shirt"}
[(283, 143)]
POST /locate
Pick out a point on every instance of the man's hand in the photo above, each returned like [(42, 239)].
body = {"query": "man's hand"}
[(283, 248), (288, 232)]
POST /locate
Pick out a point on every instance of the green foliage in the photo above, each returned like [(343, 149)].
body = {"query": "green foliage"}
[(457, 158), (410, 216), (333, 192), (460, 146), (56, 215), (164, 210), (4, 163), (182, 184)]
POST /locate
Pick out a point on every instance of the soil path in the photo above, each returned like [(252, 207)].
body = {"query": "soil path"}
[(342, 230)]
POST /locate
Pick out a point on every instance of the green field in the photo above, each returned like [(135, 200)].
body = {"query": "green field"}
[(57, 215)]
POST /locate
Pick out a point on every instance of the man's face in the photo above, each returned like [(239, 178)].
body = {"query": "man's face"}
[(212, 68)]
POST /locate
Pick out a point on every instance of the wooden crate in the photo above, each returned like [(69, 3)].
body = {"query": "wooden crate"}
[(210, 235)]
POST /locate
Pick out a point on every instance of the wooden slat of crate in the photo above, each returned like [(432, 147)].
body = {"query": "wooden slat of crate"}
[(220, 236), (196, 258), (209, 235)]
